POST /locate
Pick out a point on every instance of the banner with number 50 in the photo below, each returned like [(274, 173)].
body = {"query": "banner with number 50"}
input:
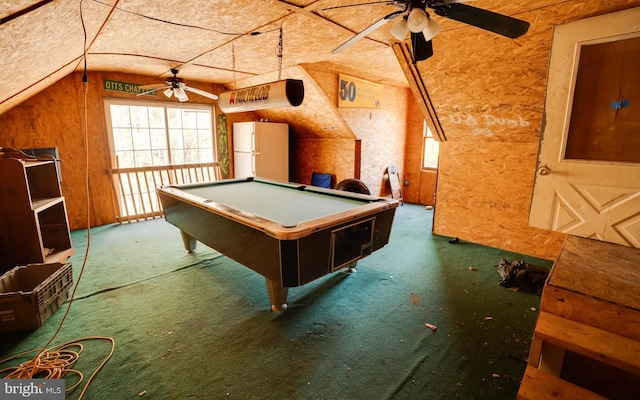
[(358, 93)]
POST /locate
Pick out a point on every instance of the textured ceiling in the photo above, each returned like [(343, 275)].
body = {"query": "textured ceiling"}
[(220, 41), (237, 41)]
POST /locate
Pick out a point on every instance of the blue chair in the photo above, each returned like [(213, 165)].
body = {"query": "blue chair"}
[(321, 180)]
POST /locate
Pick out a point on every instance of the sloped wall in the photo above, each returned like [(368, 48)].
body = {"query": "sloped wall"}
[(488, 93)]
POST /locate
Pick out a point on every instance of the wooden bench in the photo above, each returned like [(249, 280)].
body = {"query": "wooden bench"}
[(589, 312)]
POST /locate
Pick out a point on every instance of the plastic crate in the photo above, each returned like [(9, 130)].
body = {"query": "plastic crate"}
[(30, 294)]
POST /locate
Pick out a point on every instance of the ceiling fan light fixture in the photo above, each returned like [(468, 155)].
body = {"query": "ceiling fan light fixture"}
[(418, 20), (400, 29), (432, 29), (181, 95)]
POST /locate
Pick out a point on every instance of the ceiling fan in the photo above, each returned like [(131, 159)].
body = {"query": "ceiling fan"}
[(423, 28), (175, 86)]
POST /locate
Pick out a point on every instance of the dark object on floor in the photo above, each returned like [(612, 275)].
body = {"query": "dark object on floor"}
[(354, 186), (522, 275), (454, 241)]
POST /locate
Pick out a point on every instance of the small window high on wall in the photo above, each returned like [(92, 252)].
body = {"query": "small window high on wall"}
[(153, 144), (430, 149)]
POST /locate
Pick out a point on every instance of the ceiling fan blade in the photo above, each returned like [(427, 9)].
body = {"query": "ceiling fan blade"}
[(366, 31), (152, 86), (422, 48), (201, 92), (390, 2), (487, 20), (150, 90)]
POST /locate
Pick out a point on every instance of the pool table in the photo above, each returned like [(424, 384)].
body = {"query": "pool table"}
[(289, 233)]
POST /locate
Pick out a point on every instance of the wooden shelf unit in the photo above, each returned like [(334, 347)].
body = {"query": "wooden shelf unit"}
[(34, 227), (586, 343)]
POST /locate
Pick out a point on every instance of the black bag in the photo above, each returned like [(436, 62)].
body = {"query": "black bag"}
[(522, 275)]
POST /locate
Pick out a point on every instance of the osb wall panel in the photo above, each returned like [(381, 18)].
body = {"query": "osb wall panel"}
[(427, 187), (382, 131), (55, 118), (484, 194), (38, 57), (333, 156)]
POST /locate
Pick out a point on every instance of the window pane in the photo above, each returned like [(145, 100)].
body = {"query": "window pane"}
[(156, 117), (175, 139), (141, 139), (431, 148), (191, 156), (175, 117), (143, 158), (177, 157), (206, 155), (125, 159), (189, 120), (205, 139), (190, 138), (204, 120), (122, 139), (160, 157), (158, 138), (120, 117), (139, 117)]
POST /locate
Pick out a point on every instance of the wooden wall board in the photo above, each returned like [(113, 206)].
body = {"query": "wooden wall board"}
[(332, 156), (483, 196)]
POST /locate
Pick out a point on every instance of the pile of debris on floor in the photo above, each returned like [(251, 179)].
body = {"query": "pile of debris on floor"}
[(518, 275)]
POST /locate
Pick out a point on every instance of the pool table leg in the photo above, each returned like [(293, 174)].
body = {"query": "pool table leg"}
[(277, 295), (188, 241)]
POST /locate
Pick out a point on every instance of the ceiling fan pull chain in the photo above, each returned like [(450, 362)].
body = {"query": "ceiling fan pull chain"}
[(279, 54), (233, 64)]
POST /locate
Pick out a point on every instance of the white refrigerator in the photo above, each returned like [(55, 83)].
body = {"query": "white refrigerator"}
[(261, 149)]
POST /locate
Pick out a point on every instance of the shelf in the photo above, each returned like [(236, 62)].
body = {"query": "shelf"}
[(33, 214), (42, 204)]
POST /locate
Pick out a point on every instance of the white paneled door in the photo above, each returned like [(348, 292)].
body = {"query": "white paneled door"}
[(588, 172)]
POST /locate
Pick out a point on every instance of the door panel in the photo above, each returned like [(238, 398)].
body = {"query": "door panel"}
[(588, 174)]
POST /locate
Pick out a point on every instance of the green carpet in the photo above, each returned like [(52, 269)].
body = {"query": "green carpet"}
[(199, 326)]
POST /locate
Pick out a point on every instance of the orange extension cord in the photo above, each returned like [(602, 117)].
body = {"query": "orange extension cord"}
[(57, 362)]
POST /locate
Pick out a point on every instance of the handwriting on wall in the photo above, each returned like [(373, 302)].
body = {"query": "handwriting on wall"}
[(483, 119)]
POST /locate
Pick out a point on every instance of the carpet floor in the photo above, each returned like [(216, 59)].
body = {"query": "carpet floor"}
[(199, 326)]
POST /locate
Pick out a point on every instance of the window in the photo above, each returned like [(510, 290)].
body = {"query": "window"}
[(160, 134), (155, 144), (430, 149)]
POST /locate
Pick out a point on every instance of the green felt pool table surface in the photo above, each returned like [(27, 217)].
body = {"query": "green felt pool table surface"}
[(283, 203)]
